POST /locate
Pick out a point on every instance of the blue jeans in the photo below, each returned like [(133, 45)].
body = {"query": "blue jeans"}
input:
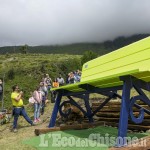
[(20, 112), (37, 108)]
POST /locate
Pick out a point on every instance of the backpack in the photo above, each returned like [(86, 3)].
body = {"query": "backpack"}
[(31, 100)]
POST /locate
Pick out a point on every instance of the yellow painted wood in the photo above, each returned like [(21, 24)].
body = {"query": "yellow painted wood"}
[(117, 64), (120, 53)]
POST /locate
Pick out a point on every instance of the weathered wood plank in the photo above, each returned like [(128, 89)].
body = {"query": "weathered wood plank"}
[(68, 127), (117, 114)]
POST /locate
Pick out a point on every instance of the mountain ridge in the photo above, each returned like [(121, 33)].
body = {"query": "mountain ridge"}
[(77, 48)]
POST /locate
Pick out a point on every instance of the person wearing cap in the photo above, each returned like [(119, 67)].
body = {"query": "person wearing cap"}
[(18, 107)]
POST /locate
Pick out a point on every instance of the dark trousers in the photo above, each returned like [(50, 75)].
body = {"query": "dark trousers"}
[(20, 112), (1, 96), (53, 96), (43, 105)]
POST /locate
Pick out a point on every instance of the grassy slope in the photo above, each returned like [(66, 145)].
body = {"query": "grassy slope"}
[(28, 70)]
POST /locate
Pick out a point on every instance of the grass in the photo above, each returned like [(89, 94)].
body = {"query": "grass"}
[(57, 140), (13, 141), (27, 70)]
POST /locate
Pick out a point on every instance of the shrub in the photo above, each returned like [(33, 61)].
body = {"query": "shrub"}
[(11, 74), (87, 56)]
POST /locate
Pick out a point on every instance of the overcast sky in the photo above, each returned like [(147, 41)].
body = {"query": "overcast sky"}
[(40, 22)]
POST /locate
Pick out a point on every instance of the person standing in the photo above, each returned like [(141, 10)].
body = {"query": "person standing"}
[(1, 90), (37, 95), (60, 80), (71, 78), (54, 93), (55, 83), (43, 91), (48, 81), (18, 107)]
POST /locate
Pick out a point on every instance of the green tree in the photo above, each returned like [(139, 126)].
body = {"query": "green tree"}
[(87, 56)]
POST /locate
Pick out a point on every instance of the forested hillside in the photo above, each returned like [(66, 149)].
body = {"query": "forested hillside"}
[(78, 48)]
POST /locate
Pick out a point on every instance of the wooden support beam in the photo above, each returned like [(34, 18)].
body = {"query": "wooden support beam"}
[(68, 127), (39, 131), (117, 114), (130, 126)]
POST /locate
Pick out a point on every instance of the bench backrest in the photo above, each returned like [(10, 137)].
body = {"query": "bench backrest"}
[(131, 59)]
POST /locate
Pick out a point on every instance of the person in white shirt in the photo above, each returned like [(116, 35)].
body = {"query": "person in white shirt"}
[(60, 80)]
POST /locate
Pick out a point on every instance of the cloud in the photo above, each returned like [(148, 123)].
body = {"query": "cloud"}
[(39, 22)]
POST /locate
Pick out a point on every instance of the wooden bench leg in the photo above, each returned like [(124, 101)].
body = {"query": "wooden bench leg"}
[(124, 112), (55, 110), (88, 108)]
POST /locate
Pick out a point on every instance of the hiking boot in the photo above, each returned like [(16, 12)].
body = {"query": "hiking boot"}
[(15, 130)]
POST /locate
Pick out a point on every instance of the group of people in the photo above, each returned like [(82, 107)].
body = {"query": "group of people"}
[(39, 96), (73, 77)]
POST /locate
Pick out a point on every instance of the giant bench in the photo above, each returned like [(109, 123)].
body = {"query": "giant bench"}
[(123, 69)]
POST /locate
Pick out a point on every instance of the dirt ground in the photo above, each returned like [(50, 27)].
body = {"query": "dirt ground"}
[(13, 141)]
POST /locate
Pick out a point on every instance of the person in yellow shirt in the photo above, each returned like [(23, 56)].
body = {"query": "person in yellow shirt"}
[(18, 107)]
